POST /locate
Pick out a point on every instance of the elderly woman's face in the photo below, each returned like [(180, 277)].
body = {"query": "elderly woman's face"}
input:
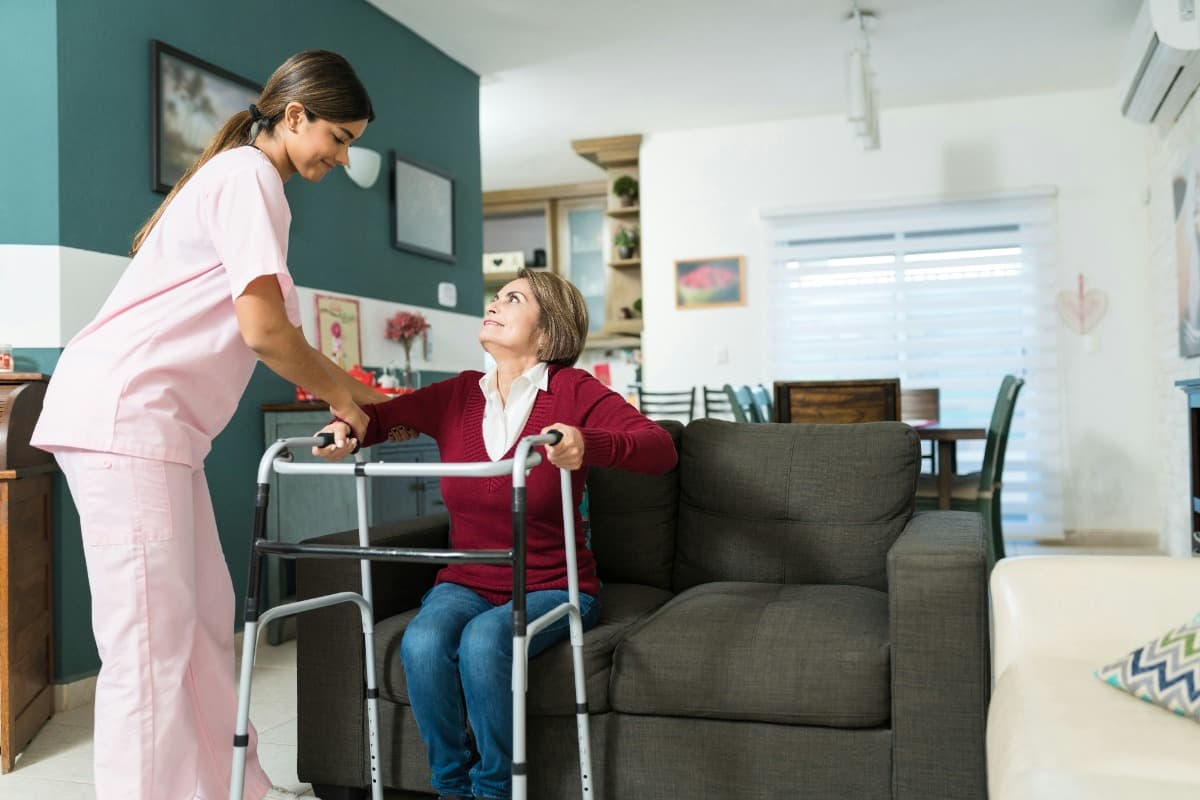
[(510, 321)]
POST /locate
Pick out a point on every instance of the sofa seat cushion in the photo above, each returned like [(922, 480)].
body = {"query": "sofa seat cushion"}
[(1054, 731), (786, 654), (551, 678)]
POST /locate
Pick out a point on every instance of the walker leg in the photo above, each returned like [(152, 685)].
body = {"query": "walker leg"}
[(520, 666), (241, 735), (368, 626), (372, 705), (581, 706)]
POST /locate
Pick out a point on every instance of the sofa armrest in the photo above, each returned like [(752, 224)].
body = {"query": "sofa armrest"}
[(1101, 607), (938, 616), (330, 683)]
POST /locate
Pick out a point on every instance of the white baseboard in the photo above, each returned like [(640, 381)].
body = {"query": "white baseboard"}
[(74, 695)]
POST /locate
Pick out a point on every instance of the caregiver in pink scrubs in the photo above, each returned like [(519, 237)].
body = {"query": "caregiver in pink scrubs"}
[(133, 407)]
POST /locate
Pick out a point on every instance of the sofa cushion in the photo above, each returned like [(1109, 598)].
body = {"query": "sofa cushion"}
[(632, 519), (782, 503), (1056, 733), (1165, 671), (794, 655), (551, 679)]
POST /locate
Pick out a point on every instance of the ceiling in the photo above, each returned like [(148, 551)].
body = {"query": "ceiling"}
[(556, 70)]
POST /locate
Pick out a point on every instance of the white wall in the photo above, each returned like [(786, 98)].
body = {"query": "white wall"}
[(702, 193), (70, 285), (1169, 149)]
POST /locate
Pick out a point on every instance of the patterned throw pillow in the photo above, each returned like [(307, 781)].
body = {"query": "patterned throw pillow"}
[(1165, 671)]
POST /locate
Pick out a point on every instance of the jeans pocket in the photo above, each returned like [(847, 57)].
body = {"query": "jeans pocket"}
[(123, 500)]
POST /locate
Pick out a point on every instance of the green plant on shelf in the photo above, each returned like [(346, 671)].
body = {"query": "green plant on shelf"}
[(626, 189), (626, 241)]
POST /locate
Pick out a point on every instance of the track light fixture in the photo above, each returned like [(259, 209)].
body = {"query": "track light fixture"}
[(862, 109)]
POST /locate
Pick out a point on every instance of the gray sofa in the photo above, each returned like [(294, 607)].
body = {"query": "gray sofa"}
[(776, 623)]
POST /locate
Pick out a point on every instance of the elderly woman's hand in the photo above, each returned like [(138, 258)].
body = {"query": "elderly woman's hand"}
[(568, 453), (343, 443)]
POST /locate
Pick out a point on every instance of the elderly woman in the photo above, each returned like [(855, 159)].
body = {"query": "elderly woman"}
[(457, 652)]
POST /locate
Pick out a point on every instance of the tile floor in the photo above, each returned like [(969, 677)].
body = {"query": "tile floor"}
[(57, 765)]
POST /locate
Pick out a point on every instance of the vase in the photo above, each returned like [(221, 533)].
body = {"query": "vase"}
[(625, 253)]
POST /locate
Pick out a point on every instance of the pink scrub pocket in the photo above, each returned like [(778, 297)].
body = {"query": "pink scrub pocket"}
[(122, 500)]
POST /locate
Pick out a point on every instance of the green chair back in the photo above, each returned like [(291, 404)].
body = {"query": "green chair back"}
[(740, 403), (997, 436), (763, 405)]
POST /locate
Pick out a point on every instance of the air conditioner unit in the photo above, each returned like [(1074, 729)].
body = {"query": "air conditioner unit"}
[(1157, 80)]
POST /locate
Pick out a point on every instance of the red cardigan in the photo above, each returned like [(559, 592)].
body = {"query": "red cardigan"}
[(615, 434)]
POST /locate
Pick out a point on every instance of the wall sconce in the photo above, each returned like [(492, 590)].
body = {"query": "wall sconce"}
[(364, 165)]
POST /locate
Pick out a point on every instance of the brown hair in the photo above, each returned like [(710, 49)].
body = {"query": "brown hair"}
[(564, 316), (321, 81)]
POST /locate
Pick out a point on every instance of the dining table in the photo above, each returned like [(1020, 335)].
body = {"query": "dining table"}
[(947, 440)]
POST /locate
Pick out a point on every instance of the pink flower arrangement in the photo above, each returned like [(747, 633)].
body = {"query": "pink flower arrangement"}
[(404, 327)]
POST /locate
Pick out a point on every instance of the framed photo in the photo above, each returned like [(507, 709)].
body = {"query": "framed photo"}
[(710, 282), (338, 334), (192, 99), (422, 209)]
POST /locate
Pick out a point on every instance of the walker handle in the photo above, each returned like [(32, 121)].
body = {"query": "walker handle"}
[(324, 439), (555, 434)]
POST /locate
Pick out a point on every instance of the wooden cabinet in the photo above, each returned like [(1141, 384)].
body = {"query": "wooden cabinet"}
[(304, 506), (26, 569)]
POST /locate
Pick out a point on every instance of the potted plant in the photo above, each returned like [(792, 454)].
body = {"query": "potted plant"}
[(626, 189), (626, 241)]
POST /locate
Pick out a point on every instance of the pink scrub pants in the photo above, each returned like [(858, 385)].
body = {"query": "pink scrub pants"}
[(162, 612)]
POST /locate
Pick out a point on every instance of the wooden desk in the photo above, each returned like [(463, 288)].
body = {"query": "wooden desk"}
[(947, 442)]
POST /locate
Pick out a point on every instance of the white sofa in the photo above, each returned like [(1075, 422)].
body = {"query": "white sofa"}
[(1054, 730)]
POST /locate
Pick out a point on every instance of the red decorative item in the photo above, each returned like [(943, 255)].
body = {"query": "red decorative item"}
[(304, 395), (362, 375)]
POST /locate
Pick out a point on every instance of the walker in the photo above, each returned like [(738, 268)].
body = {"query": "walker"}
[(279, 458)]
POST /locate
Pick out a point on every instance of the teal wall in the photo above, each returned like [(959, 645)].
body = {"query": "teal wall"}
[(427, 109), (29, 135)]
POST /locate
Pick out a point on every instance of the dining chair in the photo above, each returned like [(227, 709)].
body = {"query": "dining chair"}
[(980, 491), (922, 407), (677, 404), (717, 404), (762, 403), (837, 401), (741, 404)]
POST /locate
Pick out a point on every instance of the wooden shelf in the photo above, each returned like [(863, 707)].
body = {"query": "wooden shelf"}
[(624, 212), (626, 263), (498, 278), (604, 340), (624, 327)]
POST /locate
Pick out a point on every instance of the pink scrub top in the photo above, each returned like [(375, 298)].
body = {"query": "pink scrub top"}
[(160, 370)]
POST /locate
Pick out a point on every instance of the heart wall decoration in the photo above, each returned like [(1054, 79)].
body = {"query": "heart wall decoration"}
[(1081, 311)]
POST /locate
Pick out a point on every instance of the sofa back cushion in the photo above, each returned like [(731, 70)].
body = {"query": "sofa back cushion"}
[(633, 521), (792, 503)]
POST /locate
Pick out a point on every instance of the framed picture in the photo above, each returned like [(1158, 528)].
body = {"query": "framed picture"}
[(1185, 185), (710, 282), (338, 334), (422, 209), (192, 99)]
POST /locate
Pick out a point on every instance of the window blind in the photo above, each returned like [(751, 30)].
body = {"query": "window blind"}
[(949, 295)]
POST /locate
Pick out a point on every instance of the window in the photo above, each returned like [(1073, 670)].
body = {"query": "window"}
[(949, 295)]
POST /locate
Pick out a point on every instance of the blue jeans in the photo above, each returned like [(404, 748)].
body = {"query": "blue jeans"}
[(459, 649)]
